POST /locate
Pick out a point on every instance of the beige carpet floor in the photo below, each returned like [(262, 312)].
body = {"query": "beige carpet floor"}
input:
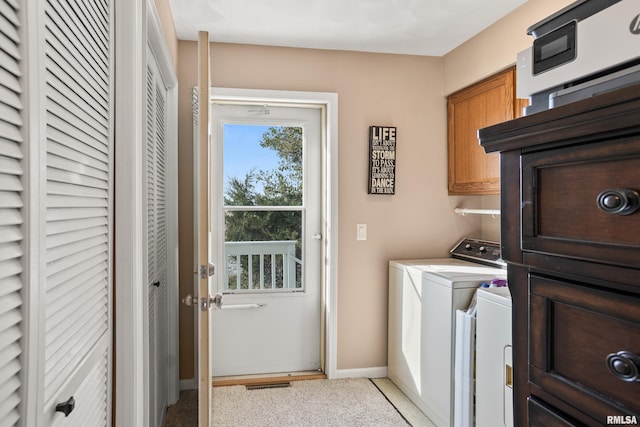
[(325, 403), (343, 403)]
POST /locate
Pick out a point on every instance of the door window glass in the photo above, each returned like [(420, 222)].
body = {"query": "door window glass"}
[(263, 208)]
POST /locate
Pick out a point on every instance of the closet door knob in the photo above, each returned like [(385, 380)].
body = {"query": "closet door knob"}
[(619, 201), (625, 365), (66, 407)]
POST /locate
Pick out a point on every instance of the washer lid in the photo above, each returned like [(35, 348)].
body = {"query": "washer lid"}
[(452, 272)]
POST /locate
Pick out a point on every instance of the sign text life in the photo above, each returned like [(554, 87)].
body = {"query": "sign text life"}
[(382, 160)]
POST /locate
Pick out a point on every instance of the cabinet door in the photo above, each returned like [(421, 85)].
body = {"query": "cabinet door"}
[(492, 101)]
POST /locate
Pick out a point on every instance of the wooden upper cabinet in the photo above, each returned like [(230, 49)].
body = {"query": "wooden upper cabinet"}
[(489, 102)]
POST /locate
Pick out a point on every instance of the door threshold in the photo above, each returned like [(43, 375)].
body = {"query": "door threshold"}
[(266, 379)]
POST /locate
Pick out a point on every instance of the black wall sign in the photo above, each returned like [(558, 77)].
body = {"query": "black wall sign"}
[(382, 160)]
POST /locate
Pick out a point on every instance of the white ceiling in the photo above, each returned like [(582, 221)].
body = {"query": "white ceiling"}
[(415, 27)]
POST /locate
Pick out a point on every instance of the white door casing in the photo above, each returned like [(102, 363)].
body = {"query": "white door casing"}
[(329, 178), (286, 328)]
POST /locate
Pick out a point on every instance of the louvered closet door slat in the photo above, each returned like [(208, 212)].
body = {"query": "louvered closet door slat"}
[(94, 160), (64, 164), (9, 114), (9, 13), (69, 29), (65, 120), (72, 13), (69, 90), (9, 148), (71, 226), (10, 99), (10, 182), (8, 46), (8, 219), (11, 214), (75, 68), (56, 241), (5, 58), (161, 240), (77, 238), (93, 18)]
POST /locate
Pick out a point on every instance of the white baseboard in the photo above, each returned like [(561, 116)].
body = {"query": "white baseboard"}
[(188, 385), (378, 372)]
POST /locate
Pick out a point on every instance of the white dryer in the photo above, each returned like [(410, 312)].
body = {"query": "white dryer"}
[(423, 298), (494, 373)]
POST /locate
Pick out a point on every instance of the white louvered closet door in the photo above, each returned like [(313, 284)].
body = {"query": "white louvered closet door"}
[(11, 214), (77, 222), (156, 240)]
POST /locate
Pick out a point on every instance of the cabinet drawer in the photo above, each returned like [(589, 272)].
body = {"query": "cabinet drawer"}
[(540, 415), (560, 208), (575, 333)]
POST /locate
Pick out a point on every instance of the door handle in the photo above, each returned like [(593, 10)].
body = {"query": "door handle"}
[(188, 300), (215, 300)]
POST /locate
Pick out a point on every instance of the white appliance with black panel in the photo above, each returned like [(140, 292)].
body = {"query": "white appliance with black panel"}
[(424, 295), (572, 56)]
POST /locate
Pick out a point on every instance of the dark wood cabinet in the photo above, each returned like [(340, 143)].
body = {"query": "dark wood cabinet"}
[(571, 239)]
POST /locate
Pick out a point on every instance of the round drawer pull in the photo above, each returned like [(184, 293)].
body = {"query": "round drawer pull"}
[(620, 201), (625, 365)]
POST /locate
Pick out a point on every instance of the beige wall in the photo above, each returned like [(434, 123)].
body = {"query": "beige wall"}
[(408, 92), (418, 221), (496, 47), (490, 51)]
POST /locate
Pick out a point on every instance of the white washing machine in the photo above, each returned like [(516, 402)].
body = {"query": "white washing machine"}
[(494, 363), (423, 298)]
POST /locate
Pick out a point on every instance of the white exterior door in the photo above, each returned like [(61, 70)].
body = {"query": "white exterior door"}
[(266, 212), (202, 226), (56, 212)]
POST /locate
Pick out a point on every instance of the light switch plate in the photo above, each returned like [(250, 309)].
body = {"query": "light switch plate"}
[(361, 231)]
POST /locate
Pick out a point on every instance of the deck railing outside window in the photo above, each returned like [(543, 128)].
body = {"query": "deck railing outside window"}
[(262, 266)]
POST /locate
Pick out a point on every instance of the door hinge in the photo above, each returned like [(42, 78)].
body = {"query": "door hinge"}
[(207, 270)]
